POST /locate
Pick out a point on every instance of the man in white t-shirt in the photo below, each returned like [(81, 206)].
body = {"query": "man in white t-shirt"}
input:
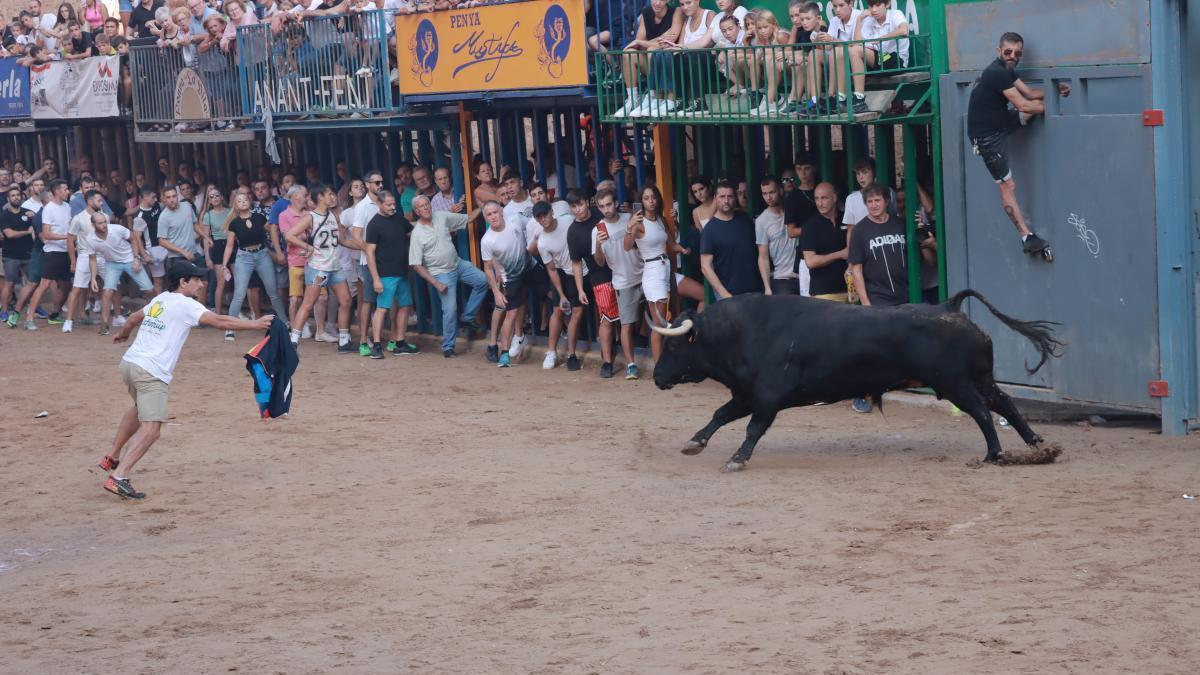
[(507, 264), (548, 240), (776, 246), (364, 211), (891, 29), (120, 252), (58, 256), (856, 207), (149, 364), (608, 249), (520, 204), (80, 229)]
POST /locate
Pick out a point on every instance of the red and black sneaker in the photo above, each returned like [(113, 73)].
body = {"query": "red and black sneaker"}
[(122, 488), (108, 463)]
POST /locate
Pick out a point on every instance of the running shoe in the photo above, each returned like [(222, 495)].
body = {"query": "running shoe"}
[(306, 333), (405, 349), (122, 488), (55, 320), (573, 363), (4, 316), (517, 347), (631, 372), (606, 370), (1035, 244), (550, 361), (13, 320), (391, 346), (229, 336), (364, 349), (346, 348), (41, 313), (504, 360), (29, 325), (104, 329), (108, 463), (493, 354), (376, 351), (861, 405), (325, 337), (448, 354), (67, 326), (118, 321)]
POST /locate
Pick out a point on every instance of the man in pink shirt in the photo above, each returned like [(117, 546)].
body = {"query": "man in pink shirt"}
[(298, 196)]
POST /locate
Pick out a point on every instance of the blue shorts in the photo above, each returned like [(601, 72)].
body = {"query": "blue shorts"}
[(113, 272), (369, 293), (329, 278), (394, 289), (124, 6)]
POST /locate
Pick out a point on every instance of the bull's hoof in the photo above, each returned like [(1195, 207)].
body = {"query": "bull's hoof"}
[(694, 447), (733, 465)]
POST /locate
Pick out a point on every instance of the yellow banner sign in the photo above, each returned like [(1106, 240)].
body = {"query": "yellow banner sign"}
[(520, 45)]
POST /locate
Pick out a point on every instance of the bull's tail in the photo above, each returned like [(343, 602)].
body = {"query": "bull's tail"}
[(1040, 333)]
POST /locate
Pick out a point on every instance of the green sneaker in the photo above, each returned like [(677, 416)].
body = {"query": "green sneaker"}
[(391, 346), (55, 320), (404, 349), (12, 320), (364, 349)]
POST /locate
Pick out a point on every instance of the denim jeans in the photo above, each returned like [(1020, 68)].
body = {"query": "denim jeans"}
[(246, 264), (465, 274)]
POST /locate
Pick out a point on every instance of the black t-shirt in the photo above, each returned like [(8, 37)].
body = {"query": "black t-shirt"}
[(734, 251), (987, 111), (579, 246), (823, 237), (880, 248), (390, 236), (83, 44), (655, 29), (150, 216), (249, 234), (798, 207), (17, 248), (140, 16)]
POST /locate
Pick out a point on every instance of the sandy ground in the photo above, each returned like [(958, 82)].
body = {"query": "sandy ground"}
[(419, 515)]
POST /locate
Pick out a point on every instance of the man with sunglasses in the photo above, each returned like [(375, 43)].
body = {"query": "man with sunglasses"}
[(990, 121)]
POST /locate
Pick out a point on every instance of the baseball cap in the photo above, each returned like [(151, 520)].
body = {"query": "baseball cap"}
[(182, 269)]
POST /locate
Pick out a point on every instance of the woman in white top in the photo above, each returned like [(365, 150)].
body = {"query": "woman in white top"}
[(647, 231)]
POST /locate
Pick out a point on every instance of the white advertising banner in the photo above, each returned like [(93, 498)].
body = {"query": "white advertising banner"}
[(68, 90)]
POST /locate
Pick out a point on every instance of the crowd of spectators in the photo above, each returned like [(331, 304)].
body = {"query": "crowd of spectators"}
[(344, 261)]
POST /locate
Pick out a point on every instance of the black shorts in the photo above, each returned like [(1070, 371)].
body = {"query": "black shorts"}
[(785, 286), (884, 61), (56, 266), (569, 288), (993, 149), (217, 252), (515, 293), (537, 281)]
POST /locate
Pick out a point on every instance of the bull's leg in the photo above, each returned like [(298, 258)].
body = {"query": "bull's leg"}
[(999, 402), (970, 401), (760, 421), (735, 409)]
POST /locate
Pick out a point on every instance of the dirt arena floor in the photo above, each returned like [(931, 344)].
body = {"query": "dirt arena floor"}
[(419, 515)]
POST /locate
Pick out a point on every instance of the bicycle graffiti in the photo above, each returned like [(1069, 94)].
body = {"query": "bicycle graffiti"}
[(1085, 234)]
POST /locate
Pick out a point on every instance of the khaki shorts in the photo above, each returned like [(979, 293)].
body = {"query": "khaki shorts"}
[(296, 282), (148, 392), (836, 297)]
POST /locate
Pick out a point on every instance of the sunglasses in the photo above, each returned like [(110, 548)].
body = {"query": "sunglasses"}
[(1016, 53), (374, 182)]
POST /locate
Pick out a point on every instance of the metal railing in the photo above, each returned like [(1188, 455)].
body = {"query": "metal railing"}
[(767, 84), (157, 88), (325, 65)]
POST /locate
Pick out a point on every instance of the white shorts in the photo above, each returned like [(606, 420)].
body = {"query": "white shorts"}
[(805, 280), (158, 267), (656, 280), (83, 271)]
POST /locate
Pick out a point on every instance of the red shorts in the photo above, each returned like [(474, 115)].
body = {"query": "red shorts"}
[(606, 302)]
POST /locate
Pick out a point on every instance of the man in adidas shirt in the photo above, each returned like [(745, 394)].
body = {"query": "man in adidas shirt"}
[(878, 254), (148, 366)]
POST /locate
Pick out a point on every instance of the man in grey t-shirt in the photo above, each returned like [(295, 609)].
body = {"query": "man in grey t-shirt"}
[(431, 254), (176, 227)]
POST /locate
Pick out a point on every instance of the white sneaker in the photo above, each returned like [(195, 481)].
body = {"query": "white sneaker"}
[(68, 325), (664, 106), (229, 336), (550, 361), (244, 317), (517, 347), (118, 321), (325, 337), (629, 106), (763, 109), (307, 332), (642, 109), (363, 71)]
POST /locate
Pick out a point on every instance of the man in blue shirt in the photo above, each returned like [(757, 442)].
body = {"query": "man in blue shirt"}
[(728, 252)]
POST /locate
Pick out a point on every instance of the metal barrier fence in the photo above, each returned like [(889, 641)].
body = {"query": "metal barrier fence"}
[(158, 90), (773, 83), (327, 65)]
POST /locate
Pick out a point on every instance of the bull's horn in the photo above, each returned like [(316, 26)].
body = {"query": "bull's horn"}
[(681, 329)]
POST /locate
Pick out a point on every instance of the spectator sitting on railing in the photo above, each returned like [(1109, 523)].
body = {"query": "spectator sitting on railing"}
[(77, 44), (808, 63), (884, 24), (771, 60), (678, 72), (843, 28), (729, 28), (658, 26)]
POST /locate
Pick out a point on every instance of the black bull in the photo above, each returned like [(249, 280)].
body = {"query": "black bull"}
[(783, 352)]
